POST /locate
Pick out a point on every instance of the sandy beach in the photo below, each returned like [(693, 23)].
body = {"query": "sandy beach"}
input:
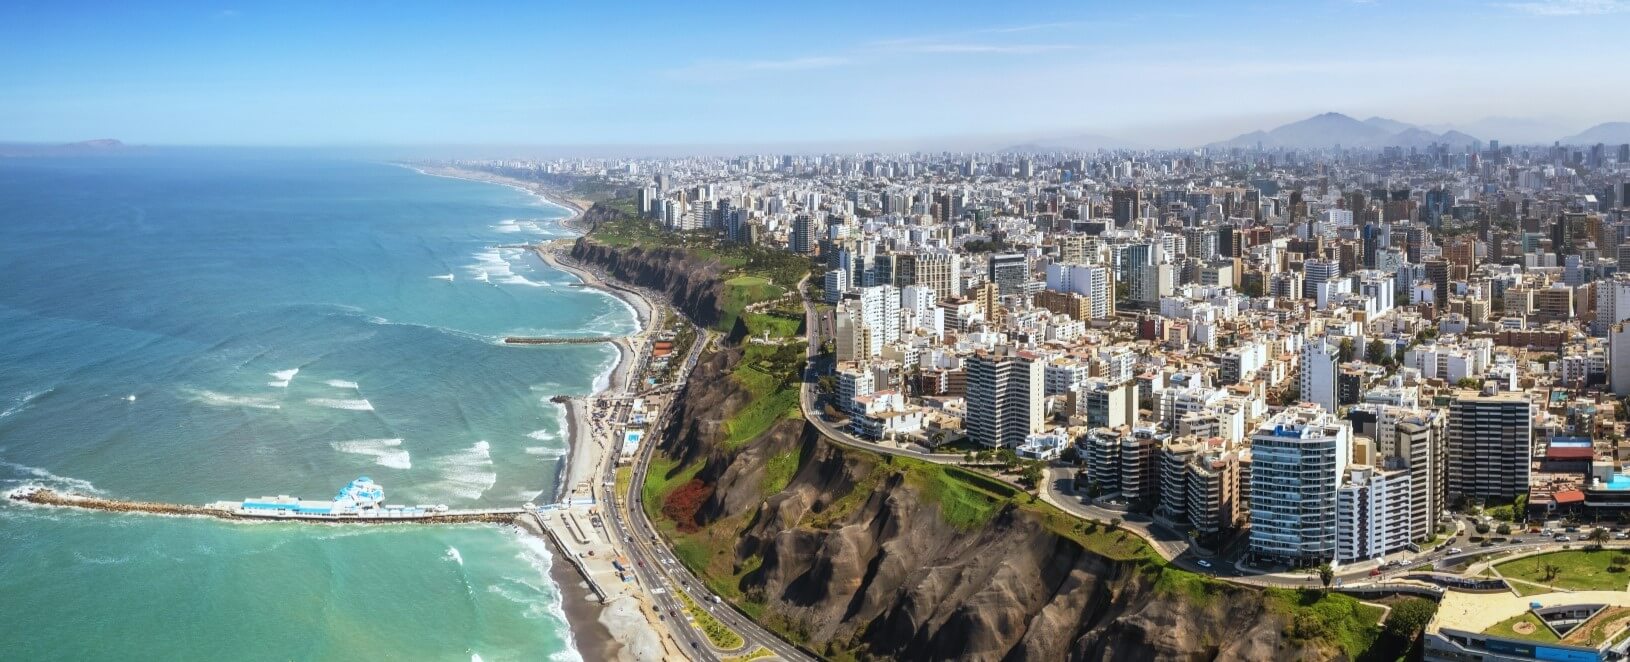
[(575, 204)]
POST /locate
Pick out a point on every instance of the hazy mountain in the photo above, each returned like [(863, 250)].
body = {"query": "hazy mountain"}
[(1085, 142), (1332, 129), (1509, 130), (1389, 126), (1613, 133), (100, 145)]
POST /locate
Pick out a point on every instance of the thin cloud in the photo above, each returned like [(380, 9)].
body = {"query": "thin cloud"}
[(1569, 7), (717, 70), (1015, 49)]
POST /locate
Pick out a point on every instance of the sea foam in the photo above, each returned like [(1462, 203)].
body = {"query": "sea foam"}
[(468, 473), (384, 451), (225, 400), (340, 383), (281, 378), (338, 403)]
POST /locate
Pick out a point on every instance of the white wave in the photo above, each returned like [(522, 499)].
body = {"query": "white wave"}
[(338, 403), (467, 474), (535, 552), (50, 479), (384, 451), (282, 377), (225, 400), (446, 277), (475, 657), (526, 496), (23, 402), (544, 435), (492, 266), (340, 383), (452, 553)]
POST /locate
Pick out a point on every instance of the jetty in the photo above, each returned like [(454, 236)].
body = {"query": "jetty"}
[(532, 340), (223, 510)]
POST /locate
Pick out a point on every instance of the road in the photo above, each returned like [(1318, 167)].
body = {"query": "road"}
[(661, 572)]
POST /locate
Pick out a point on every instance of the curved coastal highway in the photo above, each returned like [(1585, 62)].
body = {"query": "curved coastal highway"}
[(659, 569)]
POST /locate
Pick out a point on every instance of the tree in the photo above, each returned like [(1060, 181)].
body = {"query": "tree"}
[(1409, 618), (1482, 527), (1327, 574), (1548, 571), (1114, 523), (1031, 474), (1599, 536), (1375, 351), (1007, 458), (827, 383), (1344, 353), (1504, 529)]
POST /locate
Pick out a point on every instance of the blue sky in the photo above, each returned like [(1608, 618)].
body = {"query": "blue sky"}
[(744, 73)]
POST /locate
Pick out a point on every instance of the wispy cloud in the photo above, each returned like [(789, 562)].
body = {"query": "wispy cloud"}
[(1569, 7), (1000, 49), (719, 70)]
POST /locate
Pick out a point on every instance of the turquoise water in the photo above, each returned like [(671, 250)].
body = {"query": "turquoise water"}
[(189, 328)]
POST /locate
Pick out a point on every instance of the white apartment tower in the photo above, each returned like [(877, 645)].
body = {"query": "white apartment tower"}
[(1298, 459), (1005, 396)]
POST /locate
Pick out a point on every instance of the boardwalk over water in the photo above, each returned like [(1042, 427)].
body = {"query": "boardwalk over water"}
[(46, 497)]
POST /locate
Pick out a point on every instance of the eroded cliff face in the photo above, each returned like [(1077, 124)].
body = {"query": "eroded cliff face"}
[(854, 557), (692, 286)]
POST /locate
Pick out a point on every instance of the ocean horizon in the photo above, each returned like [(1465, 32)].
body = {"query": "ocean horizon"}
[(199, 327)]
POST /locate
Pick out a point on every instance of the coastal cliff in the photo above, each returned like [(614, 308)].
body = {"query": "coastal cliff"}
[(859, 555), (691, 285)]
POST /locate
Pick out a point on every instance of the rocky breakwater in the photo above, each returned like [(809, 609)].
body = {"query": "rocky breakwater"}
[(691, 285), (852, 553), (49, 497)]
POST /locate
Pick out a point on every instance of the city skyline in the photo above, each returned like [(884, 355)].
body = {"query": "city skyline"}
[(850, 76)]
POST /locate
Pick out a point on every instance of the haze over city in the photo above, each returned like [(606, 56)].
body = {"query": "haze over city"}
[(850, 75)]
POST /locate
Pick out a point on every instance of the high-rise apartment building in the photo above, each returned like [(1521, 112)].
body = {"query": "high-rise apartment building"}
[(1490, 444), (1124, 205), (1005, 401), (1009, 271), (1299, 457)]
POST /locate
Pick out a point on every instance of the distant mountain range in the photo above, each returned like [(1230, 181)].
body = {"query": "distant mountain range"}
[(1333, 129), (1606, 132)]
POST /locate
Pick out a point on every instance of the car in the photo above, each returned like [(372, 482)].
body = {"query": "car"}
[(1454, 550), (1203, 563), (1562, 538)]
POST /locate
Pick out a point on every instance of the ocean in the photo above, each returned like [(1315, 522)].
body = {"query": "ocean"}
[(199, 326)]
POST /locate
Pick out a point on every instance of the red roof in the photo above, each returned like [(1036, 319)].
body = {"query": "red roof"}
[(1568, 496), (1570, 453)]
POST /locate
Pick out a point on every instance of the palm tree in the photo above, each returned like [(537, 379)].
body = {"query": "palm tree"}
[(1598, 536), (1327, 574)]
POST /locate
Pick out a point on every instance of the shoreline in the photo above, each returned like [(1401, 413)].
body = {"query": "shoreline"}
[(577, 206), (598, 630)]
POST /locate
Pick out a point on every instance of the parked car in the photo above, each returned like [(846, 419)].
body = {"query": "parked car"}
[(1203, 563)]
